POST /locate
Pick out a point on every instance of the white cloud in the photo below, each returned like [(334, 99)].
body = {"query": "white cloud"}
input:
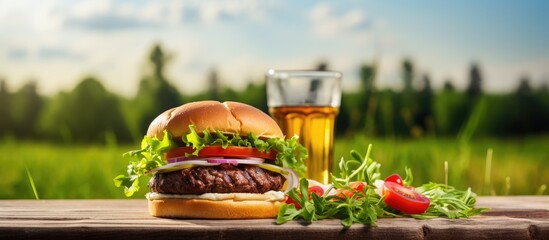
[(107, 15), (326, 22), (212, 11), (50, 15), (90, 8)]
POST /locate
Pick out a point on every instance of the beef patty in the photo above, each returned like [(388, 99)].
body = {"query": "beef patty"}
[(224, 178)]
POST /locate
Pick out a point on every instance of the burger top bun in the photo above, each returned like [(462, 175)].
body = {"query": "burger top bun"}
[(226, 117)]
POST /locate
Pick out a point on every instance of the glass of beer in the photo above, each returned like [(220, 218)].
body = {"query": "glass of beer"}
[(306, 103)]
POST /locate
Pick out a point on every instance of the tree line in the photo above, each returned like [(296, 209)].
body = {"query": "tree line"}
[(91, 113)]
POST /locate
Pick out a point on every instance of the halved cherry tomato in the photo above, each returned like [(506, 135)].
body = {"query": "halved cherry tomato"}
[(316, 190), (395, 178), (312, 190), (356, 186), (219, 151), (404, 199)]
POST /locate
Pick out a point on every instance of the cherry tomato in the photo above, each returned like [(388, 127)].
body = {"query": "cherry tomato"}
[(290, 200), (395, 178), (356, 186), (316, 190), (312, 190), (219, 151), (404, 199)]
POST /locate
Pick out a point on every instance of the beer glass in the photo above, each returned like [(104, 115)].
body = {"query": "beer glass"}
[(306, 103)]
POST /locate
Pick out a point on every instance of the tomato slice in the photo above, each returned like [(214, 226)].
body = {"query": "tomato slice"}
[(219, 151), (395, 178), (404, 199)]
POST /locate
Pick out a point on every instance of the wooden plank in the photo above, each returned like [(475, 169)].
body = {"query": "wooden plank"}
[(509, 218), (514, 202)]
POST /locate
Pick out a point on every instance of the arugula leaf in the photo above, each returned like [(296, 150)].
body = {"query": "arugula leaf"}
[(447, 201), (308, 209), (407, 181), (362, 169), (287, 212), (362, 207), (290, 154)]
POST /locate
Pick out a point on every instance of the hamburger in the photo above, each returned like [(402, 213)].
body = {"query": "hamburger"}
[(214, 160)]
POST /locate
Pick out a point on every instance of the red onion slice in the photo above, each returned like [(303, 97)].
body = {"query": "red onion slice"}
[(181, 165), (222, 160), (184, 159), (236, 161), (248, 160), (292, 181)]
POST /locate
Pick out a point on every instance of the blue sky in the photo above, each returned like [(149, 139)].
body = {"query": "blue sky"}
[(58, 42)]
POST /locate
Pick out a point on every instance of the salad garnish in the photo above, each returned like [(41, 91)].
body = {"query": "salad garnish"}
[(358, 194)]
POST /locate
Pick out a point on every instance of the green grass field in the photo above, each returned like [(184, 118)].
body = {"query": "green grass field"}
[(519, 167)]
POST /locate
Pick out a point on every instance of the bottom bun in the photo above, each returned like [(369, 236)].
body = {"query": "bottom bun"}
[(200, 208)]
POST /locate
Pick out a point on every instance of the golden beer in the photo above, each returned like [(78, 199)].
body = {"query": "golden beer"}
[(315, 127)]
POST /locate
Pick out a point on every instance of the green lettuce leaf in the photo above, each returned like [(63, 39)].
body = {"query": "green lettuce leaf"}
[(150, 156)]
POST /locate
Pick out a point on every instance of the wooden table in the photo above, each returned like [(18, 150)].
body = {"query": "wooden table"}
[(520, 217)]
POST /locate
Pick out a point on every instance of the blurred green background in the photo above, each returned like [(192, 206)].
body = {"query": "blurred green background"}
[(72, 143)]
